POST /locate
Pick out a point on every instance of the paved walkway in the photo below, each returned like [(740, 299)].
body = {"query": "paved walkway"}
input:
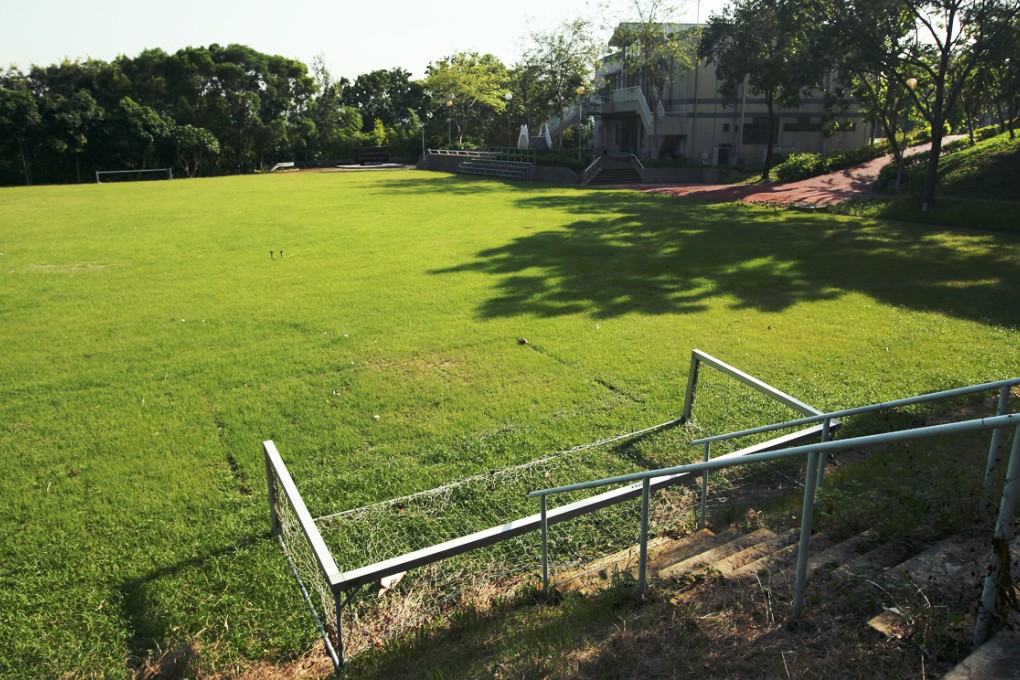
[(854, 182)]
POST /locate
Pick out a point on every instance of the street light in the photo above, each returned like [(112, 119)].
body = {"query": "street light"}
[(580, 113), (449, 122), (508, 96)]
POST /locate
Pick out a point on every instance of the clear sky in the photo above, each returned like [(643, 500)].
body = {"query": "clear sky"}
[(354, 37)]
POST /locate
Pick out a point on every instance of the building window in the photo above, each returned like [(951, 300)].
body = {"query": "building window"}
[(757, 131), (803, 125), (725, 127)]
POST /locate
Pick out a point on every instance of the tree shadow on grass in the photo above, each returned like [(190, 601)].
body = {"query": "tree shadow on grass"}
[(149, 627), (465, 185), (634, 253)]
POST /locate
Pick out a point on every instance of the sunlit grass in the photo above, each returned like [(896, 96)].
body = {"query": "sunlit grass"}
[(150, 342)]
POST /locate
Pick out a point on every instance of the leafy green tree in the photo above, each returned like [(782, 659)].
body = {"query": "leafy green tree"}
[(655, 49), (140, 131), (389, 96), (769, 43), (944, 43), (70, 121), (854, 32), (474, 86), (337, 127), (195, 147), (554, 65), (19, 120)]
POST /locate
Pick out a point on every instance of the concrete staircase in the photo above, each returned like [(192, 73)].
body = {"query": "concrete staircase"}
[(615, 170), (953, 568), (610, 176)]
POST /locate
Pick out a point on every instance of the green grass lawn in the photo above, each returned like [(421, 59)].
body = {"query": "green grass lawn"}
[(149, 343)]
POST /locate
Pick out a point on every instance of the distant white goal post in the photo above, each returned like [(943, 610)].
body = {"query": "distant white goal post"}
[(133, 175)]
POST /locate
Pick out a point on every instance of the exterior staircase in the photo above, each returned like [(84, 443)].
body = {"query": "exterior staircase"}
[(609, 176), (950, 571), (614, 170)]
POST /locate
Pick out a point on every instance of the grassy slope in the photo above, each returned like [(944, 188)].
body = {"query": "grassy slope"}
[(977, 189), (149, 343)]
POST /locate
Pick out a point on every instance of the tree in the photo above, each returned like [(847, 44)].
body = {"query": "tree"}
[(19, 119), (70, 120), (195, 147), (855, 32), (946, 41), (139, 132), (655, 49), (387, 96), (337, 127), (556, 63), (472, 85), (768, 43)]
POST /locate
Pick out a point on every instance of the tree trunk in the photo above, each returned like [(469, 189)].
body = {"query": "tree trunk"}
[(938, 122), (26, 166)]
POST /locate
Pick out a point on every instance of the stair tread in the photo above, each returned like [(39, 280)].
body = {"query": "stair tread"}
[(706, 558), (787, 555), (997, 659), (873, 561), (730, 565), (661, 550)]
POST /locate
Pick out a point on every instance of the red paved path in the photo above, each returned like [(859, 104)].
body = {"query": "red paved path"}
[(836, 187)]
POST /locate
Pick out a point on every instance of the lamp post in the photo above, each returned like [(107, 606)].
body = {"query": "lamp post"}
[(580, 113), (449, 122), (508, 96)]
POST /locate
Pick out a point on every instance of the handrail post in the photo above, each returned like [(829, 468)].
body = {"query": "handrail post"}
[(274, 499), (643, 550), (704, 490), (985, 502), (339, 604), (1000, 543), (824, 457), (545, 544), (692, 387), (806, 518)]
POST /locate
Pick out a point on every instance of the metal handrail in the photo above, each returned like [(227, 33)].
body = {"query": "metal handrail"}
[(1007, 507), (920, 399), (593, 169)]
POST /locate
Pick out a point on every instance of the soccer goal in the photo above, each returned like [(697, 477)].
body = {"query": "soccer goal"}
[(133, 175)]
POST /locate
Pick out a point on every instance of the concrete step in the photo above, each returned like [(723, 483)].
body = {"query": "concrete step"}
[(705, 559), (821, 552), (662, 551), (872, 562), (731, 566), (997, 659), (616, 176), (952, 571)]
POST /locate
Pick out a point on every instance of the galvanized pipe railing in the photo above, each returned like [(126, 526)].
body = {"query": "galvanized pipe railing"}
[(1002, 385), (814, 451)]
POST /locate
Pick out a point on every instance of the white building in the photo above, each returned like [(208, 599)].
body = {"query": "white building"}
[(693, 120)]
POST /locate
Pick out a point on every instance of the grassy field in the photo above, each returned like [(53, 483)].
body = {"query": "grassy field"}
[(150, 342)]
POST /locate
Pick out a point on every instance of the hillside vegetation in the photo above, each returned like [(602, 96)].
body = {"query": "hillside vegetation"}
[(977, 189)]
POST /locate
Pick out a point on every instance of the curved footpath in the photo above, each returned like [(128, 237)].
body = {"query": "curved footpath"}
[(854, 182)]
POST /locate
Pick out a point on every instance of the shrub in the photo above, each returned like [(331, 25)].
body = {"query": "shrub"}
[(804, 165), (799, 166), (563, 159), (986, 132)]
